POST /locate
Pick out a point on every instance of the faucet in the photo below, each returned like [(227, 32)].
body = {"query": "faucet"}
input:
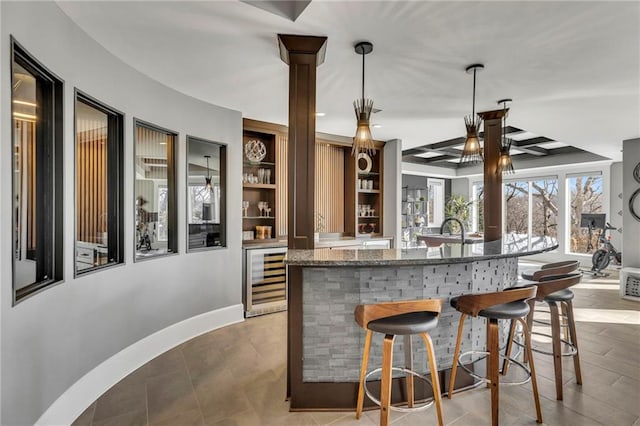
[(449, 219)]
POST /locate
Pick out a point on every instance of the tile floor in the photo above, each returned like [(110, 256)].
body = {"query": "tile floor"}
[(236, 376)]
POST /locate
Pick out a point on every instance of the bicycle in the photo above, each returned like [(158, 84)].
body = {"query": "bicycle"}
[(602, 257)]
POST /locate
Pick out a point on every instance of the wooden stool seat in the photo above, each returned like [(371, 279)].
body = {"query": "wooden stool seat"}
[(404, 319), (556, 268), (510, 304)]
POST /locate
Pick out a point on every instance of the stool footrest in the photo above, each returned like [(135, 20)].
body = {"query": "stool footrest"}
[(486, 380), (416, 407), (572, 349)]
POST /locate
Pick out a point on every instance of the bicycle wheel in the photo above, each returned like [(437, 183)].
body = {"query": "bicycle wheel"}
[(600, 260)]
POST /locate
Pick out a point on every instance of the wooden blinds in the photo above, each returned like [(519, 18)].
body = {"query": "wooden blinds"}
[(92, 180)]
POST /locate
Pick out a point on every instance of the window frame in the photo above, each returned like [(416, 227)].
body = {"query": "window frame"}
[(50, 163), (568, 237), (172, 185), (223, 195), (115, 181)]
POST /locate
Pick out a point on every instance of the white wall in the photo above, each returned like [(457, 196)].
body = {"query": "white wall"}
[(630, 244), (52, 339), (615, 207), (392, 195)]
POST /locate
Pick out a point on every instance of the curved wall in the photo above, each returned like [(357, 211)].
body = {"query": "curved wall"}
[(51, 340)]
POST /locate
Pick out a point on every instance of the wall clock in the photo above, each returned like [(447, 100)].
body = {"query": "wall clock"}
[(636, 173)]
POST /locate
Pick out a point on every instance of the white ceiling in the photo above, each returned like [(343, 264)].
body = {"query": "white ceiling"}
[(572, 68)]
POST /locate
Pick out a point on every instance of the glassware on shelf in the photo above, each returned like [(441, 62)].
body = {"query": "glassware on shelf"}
[(261, 206), (268, 211), (268, 176), (260, 175), (245, 207)]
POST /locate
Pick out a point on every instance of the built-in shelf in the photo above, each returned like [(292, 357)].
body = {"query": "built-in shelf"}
[(368, 217), (258, 164), (369, 191), (258, 217), (259, 186), (368, 174)]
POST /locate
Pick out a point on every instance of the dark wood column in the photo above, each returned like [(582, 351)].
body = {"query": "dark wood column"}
[(492, 180), (303, 54)]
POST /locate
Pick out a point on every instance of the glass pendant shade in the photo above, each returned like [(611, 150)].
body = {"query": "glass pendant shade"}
[(362, 141)]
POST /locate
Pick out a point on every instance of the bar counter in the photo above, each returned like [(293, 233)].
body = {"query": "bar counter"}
[(325, 285)]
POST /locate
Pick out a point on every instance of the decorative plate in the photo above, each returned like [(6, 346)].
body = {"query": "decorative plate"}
[(636, 173), (364, 163), (255, 151)]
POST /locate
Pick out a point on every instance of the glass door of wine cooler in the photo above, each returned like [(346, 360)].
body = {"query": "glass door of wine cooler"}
[(265, 281)]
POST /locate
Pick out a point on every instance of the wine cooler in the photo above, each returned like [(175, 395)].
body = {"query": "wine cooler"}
[(265, 281)]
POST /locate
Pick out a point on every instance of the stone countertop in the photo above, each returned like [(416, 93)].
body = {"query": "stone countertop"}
[(263, 244), (509, 246)]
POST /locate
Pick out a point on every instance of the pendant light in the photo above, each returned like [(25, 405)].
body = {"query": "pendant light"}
[(208, 178), (505, 166), (362, 141), (472, 153)]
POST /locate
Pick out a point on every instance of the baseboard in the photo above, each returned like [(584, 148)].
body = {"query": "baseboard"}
[(85, 391)]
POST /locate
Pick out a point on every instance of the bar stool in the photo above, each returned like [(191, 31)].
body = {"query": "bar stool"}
[(510, 304), (554, 290), (404, 318), (556, 268)]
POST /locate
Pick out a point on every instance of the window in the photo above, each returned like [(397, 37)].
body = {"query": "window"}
[(477, 212), (206, 174), (586, 192), (99, 177), (531, 209), (155, 191), (435, 206), (36, 109), (544, 211)]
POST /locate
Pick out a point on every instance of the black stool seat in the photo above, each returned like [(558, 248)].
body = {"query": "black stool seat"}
[(402, 325), (560, 296), (511, 310)]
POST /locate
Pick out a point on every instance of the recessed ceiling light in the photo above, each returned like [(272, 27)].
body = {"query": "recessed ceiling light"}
[(320, 114), (376, 126)]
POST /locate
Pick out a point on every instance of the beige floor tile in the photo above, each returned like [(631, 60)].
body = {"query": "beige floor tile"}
[(134, 418), (127, 396), (185, 418), (169, 395), (236, 375), (86, 417)]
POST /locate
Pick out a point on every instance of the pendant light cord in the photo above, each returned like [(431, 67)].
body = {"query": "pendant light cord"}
[(473, 107), (363, 55)]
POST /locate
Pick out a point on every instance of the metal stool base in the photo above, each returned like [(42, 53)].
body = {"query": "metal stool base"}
[(416, 407), (502, 357), (572, 349)]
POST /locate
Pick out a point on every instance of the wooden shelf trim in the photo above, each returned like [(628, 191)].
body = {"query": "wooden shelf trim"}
[(259, 185), (368, 191)]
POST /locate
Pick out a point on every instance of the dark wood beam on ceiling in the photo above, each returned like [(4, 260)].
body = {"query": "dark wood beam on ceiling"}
[(533, 141), (492, 180), (303, 54), (430, 161), (533, 150)]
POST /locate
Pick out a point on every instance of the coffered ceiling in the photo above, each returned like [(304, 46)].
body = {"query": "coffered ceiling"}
[(572, 68)]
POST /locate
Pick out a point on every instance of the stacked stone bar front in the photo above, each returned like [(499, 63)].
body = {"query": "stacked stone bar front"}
[(333, 342)]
